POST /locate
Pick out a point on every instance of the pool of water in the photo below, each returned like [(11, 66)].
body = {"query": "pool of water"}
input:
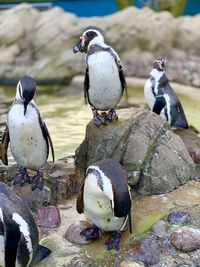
[(66, 115)]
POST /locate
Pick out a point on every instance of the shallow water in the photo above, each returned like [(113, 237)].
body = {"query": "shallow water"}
[(66, 114)]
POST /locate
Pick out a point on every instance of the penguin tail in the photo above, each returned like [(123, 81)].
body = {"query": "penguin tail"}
[(40, 254)]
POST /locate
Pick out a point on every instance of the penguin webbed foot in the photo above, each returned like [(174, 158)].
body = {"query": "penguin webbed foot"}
[(40, 254), (114, 241), (91, 233), (112, 115), (37, 181), (22, 177), (98, 118)]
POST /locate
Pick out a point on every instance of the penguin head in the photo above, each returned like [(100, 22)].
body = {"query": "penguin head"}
[(159, 64), (91, 35), (26, 88)]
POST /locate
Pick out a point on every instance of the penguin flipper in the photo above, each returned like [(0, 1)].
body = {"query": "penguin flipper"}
[(122, 78), (159, 104), (79, 200), (4, 146), (86, 85), (46, 136), (49, 140), (41, 253)]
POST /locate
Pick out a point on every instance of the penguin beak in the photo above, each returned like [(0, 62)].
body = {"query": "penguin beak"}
[(160, 66), (77, 47), (28, 94), (25, 107), (80, 46)]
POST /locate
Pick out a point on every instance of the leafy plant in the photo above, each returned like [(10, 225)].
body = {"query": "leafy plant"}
[(176, 7), (124, 3)]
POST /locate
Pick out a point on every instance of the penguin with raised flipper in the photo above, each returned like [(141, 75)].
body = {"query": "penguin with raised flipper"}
[(18, 232), (162, 99), (28, 135), (105, 201), (104, 78)]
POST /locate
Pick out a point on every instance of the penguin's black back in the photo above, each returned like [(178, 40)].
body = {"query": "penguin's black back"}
[(11, 203), (178, 118), (15, 243), (113, 170)]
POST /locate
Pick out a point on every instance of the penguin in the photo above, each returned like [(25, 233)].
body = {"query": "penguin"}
[(105, 200), (19, 238), (162, 99), (28, 135), (104, 82)]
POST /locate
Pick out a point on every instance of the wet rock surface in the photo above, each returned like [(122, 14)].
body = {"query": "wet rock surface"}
[(142, 243), (159, 228), (154, 158), (48, 216), (149, 252), (186, 239), (192, 143), (73, 232), (61, 180), (179, 218), (130, 264)]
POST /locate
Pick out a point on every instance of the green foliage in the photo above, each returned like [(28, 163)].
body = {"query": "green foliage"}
[(176, 7), (124, 3)]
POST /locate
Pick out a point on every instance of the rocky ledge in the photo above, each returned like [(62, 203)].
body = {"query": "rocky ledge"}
[(155, 159), (40, 43)]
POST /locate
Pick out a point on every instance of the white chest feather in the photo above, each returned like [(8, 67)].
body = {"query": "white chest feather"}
[(2, 251), (151, 87), (105, 89), (2, 245), (148, 93), (99, 205), (24, 229), (27, 143), (167, 108)]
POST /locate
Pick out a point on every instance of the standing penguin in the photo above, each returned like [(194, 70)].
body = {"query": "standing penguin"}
[(105, 200), (28, 135), (18, 232), (104, 79), (162, 99)]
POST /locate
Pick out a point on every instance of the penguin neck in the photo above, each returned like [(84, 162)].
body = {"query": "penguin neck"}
[(97, 41), (19, 99), (18, 96), (156, 74)]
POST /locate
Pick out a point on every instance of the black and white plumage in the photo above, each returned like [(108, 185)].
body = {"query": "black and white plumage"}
[(162, 99), (104, 79), (19, 236), (27, 133), (105, 200)]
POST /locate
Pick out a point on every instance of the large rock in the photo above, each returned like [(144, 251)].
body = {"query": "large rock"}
[(155, 159), (187, 37), (191, 141), (40, 43), (61, 179)]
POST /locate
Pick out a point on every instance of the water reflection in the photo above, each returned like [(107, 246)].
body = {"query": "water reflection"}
[(66, 114)]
